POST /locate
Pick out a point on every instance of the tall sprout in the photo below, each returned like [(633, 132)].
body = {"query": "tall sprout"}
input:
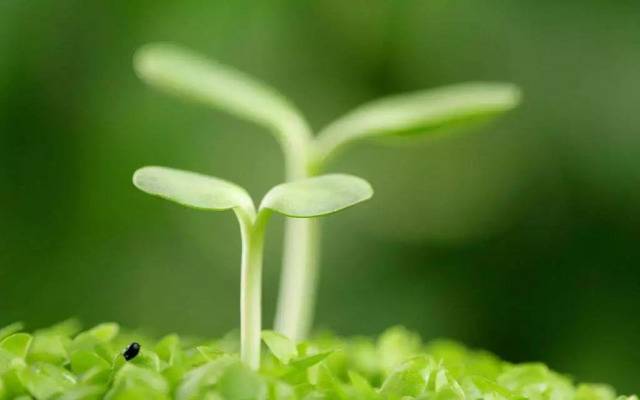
[(191, 76)]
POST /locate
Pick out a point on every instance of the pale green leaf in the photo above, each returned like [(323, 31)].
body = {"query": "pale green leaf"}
[(595, 392), (137, 376), (168, 349), (418, 113), (84, 360), (314, 197), (396, 345), (45, 380), (89, 392), (49, 348), (209, 353), (105, 332), (88, 340), (199, 380), (17, 344), (281, 346), (192, 189), (362, 387), (147, 359), (239, 382), (187, 74), (409, 378), (11, 329), (305, 362), (66, 328)]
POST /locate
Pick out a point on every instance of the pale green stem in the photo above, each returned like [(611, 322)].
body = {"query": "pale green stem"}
[(296, 297), (300, 268), (301, 261), (251, 289), (298, 280)]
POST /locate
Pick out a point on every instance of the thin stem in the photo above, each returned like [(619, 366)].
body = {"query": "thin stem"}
[(298, 281), (251, 289), (301, 253)]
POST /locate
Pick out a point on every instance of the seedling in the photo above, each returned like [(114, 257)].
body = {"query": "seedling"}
[(305, 198), (189, 75)]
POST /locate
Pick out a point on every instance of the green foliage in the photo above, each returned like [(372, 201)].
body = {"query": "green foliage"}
[(280, 346), (305, 198), (396, 366), (189, 75), (314, 197), (419, 113), (192, 189)]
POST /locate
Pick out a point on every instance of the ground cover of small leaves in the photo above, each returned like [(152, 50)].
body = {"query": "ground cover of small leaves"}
[(64, 363)]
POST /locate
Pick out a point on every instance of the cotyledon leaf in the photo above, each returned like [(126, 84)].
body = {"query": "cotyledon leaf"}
[(188, 74), (418, 113), (192, 189), (314, 197)]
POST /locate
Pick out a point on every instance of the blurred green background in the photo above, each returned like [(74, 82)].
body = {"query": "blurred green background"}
[(521, 238)]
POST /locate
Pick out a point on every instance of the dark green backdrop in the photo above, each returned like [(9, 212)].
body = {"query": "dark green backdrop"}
[(521, 238)]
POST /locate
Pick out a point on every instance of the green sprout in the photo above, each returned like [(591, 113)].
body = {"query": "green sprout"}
[(191, 76), (305, 198)]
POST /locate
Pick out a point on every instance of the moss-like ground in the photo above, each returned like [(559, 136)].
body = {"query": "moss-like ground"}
[(63, 362)]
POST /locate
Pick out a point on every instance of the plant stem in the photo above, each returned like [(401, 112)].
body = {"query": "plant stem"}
[(301, 254), (298, 281), (251, 289)]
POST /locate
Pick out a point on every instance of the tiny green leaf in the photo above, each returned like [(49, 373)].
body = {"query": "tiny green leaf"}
[(105, 332), (88, 392), (314, 197), (281, 346), (418, 113), (84, 360), (147, 359), (44, 380), (187, 74), (409, 378), (396, 345), (48, 348), (11, 329), (362, 387), (134, 382), (595, 392), (239, 382), (197, 381), (193, 190), (66, 328), (91, 338), (309, 361), (17, 344), (168, 348), (209, 353)]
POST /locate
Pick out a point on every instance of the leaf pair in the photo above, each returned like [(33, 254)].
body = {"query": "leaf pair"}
[(306, 198), (190, 75)]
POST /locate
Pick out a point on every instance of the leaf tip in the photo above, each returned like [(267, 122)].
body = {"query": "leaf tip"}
[(142, 175), (148, 58)]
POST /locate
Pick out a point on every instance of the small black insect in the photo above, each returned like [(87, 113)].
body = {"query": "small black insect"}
[(131, 351)]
